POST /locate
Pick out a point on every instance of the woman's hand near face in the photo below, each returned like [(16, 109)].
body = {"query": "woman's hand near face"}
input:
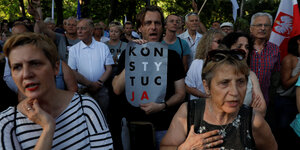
[(36, 114), (205, 140)]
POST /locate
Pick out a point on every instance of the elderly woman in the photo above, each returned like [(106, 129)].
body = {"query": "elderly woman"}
[(49, 118), (254, 96), (116, 46), (193, 80), (220, 120)]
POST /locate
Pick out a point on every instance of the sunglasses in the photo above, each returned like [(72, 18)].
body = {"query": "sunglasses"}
[(219, 55)]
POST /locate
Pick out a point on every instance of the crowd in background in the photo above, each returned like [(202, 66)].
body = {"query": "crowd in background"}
[(92, 62)]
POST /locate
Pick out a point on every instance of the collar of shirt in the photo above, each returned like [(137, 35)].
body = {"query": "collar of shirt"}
[(92, 45)]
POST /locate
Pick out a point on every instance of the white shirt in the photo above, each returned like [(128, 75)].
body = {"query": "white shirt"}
[(8, 78), (90, 61), (193, 77), (192, 44)]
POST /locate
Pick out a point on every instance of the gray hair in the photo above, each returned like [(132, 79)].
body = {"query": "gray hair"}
[(90, 22), (259, 14), (72, 18), (190, 14)]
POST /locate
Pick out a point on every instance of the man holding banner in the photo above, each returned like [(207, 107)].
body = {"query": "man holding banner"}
[(151, 79)]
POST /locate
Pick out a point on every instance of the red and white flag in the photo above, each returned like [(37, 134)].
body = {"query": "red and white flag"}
[(286, 25)]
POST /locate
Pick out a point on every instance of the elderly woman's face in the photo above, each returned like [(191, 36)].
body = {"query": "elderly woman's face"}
[(227, 88), (32, 71)]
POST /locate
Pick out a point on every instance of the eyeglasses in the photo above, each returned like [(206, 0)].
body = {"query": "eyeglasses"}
[(81, 28), (219, 55), (260, 25), (174, 21)]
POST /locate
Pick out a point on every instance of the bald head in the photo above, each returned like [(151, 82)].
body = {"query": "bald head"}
[(19, 28)]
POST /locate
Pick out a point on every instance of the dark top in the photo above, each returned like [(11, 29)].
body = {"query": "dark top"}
[(162, 119), (238, 134)]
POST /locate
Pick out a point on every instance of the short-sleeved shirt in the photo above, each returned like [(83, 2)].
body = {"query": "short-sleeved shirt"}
[(90, 60), (182, 50), (80, 126), (263, 64), (193, 77), (116, 49), (298, 81), (192, 44)]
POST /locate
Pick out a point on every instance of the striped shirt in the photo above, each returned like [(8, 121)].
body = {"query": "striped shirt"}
[(80, 126), (263, 64)]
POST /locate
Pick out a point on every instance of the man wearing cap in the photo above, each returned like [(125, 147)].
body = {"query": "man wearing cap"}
[(227, 27)]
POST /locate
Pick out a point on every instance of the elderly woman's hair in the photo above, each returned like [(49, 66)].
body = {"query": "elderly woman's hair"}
[(259, 14), (210, 67), (293, 46), (190, 14), (40, 41), (233, 37), (116, 24), (206, 41)]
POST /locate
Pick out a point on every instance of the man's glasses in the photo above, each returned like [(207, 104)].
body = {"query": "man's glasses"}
[(219, 55), (260, 25)]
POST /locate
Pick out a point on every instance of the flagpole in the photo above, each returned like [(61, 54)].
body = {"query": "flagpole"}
[(52, 10), (201, 7)]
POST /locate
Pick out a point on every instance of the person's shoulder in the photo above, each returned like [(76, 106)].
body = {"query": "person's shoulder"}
[(7, 115), (272, 46), (183, 35)]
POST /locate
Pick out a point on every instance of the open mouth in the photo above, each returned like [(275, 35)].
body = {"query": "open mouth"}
[(153, 34), (32, 86)]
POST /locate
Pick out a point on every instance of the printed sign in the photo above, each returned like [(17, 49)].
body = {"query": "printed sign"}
[(146, 73)]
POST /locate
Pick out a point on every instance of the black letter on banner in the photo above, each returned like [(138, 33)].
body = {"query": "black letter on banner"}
[(147, 51), (147, 81), (131, 51), (156, 50), (132, 80), (132, 67), (156, 82)]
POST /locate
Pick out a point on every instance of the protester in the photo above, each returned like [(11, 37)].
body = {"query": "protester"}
[(91, 62), (220, 120), (115, 45), (215, 25), (285, 103), (175, 43), (50, 23), (49, 118), (180, 27), (127, 36), (65, 79), (191, 35), (227, 27), (71, 31), (254, 96), (265, 58), (99, 33), (159, 112), (193, 79)]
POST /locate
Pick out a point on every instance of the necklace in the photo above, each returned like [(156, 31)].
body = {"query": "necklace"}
[(222, 132)]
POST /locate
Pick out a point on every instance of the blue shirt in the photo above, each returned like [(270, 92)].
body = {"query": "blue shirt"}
[(176, 47)]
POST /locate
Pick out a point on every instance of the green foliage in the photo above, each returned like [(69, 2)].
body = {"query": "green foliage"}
[(109, 10)]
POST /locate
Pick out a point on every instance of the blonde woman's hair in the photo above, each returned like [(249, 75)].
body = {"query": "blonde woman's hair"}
[(206, 41)]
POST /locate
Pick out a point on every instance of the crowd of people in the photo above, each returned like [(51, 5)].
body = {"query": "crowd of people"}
[(154, 83)]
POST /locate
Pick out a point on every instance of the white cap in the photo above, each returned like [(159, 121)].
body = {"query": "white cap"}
[(226, 24)]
